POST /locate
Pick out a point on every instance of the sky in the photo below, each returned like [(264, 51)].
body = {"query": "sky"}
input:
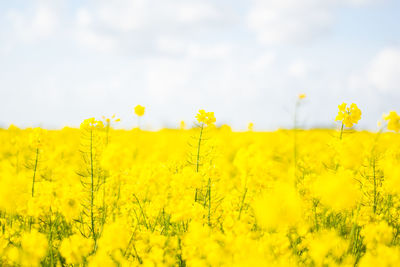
[(63, 61)]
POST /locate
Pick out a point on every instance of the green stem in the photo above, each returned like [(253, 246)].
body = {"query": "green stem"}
[(242, 203), (142, 211), (198, 148), (295, 138), (34, 171), (134, 249), (315, 204), (107, 133), (209, 202), (375, 186), (354, 233), (341, 131), (51, 241), (92, 186), (103, 221)]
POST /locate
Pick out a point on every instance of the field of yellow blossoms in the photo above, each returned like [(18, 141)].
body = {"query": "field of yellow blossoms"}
[(204, 196)]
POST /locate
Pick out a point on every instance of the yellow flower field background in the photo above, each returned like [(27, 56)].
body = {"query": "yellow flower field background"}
[(202, 196)]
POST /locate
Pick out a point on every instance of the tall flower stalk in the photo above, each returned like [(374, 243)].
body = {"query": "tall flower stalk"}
[(92, 176)]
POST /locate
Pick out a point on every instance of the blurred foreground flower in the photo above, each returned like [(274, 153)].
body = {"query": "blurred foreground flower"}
[(394, 121)]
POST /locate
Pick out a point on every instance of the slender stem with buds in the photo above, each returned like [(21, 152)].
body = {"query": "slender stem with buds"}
[(198, 148), (34, 171)]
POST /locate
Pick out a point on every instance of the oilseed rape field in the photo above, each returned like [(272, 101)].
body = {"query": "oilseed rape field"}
[(201, 196)]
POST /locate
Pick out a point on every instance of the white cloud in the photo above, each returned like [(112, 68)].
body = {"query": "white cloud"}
[(85, 34), (195, 11), (42, 24), (194, 50), (361, 2), (144, 24), (288, 21), (280, 21), (45, 21), (170, 45), (262, 62), (384, 70), (129, 15), (123, 15), (209, 52), (381, 74), (83, 17), (300, 68), (210, 71), (167, 79), (97, 41)]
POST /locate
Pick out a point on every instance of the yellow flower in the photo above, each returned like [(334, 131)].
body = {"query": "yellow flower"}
[(75, 248), (139, 110), (205, 117), (250, 127), (112, 119), (182, 125), (381, 256), (394, 121), (201, 116), (70, 208), (326, 244), (377, 233), (280, 207), (91, 123), (348, 115), (34, 245), (302, 96), (337, 190)]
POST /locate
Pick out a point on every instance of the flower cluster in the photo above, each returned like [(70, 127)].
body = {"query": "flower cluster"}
[(92, 123), (348, 115), (393, 121), (207, 118)]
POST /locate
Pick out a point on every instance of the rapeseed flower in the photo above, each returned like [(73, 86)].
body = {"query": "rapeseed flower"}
[(281, 207), (75, 248), (34, 246), (348, 115), (301, 96), (393, 121), (139, 110), (338, 191), (207, 118)]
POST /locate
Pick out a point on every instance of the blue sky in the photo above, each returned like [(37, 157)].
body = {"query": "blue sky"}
[(63, 61)]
